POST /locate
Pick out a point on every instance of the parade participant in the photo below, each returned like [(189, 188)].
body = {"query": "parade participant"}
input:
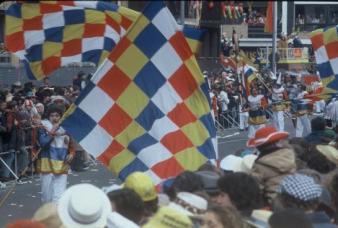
[(243, 110), (303, 126), (224, 101), (53, 162), (278, 106), (257, 117)]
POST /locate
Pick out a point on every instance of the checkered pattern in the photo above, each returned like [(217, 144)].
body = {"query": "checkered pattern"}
[(48, 35), (145, 108), (300, 187), (325, 46), (51, 34)]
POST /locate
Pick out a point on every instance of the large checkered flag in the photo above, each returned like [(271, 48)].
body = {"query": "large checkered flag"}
[(144, 109)]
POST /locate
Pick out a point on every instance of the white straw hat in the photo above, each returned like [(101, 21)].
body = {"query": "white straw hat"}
[(84, 205)]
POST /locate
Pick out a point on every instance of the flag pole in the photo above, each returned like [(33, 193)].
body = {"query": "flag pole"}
[(274, 37), (182, 16)]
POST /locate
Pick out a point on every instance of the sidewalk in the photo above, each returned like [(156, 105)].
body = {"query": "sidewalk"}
[(22, 200)]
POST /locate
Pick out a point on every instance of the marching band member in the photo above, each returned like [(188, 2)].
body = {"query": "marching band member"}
[(278, 106), (243, 110), (257, 118), (303, 125)]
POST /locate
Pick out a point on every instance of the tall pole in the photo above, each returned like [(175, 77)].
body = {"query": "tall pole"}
[(182, 16), (274, 37)]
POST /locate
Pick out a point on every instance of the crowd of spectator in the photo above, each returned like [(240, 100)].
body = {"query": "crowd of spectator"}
[(22, 107), (281, 182), (275, 181)]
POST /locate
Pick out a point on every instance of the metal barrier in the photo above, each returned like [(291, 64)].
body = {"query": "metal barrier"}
[(13, 172), (227, 120)]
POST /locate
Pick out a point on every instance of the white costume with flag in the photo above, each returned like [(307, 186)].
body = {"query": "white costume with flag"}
[(278, 108)]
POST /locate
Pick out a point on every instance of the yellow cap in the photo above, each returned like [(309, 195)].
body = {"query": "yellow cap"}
[(167, 217), (142, 185)]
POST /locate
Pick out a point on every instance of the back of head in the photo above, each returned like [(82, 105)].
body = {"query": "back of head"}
[(243, 191), (289, 218), (185, 182), (317, 161), (318, 124), (228, 216), (48, 215), (127, 203)]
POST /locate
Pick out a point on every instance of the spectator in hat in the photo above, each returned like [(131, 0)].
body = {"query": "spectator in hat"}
[(84, 205), (302, 192), (319, 134), (209, 180), (276, 159), (145, 188), (189, 204), (167, 217)]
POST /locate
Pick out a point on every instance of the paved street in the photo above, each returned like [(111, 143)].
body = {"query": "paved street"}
[(22, 200)]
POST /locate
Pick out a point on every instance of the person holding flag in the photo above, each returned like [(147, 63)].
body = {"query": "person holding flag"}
[(278, 106), (257, 118), (55, 156)]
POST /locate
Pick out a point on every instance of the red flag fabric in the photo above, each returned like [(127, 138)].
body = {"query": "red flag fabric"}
[(269, 17)]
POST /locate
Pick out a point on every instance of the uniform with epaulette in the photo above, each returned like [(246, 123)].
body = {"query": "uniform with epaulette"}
[(257, 117), (278, 107)]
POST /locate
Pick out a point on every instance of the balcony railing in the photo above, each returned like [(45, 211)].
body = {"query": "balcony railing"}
[(287, 55)]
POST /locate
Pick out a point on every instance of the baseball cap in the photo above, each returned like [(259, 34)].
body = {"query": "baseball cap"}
[(142, 185)]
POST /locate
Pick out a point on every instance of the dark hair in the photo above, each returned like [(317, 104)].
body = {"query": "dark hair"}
[(292, 202), (54, 109), (267, 149), (318, 124), (299, 141), (185, 182), (128, 203), (334, 191), (243, 191), (150, 207), (317, 161), (289, 218)]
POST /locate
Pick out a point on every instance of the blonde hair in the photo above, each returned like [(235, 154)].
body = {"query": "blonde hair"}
[(48, 215)]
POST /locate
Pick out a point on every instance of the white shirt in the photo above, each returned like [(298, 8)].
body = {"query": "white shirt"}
[(223, 98), (255, 102), (277, 94)]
